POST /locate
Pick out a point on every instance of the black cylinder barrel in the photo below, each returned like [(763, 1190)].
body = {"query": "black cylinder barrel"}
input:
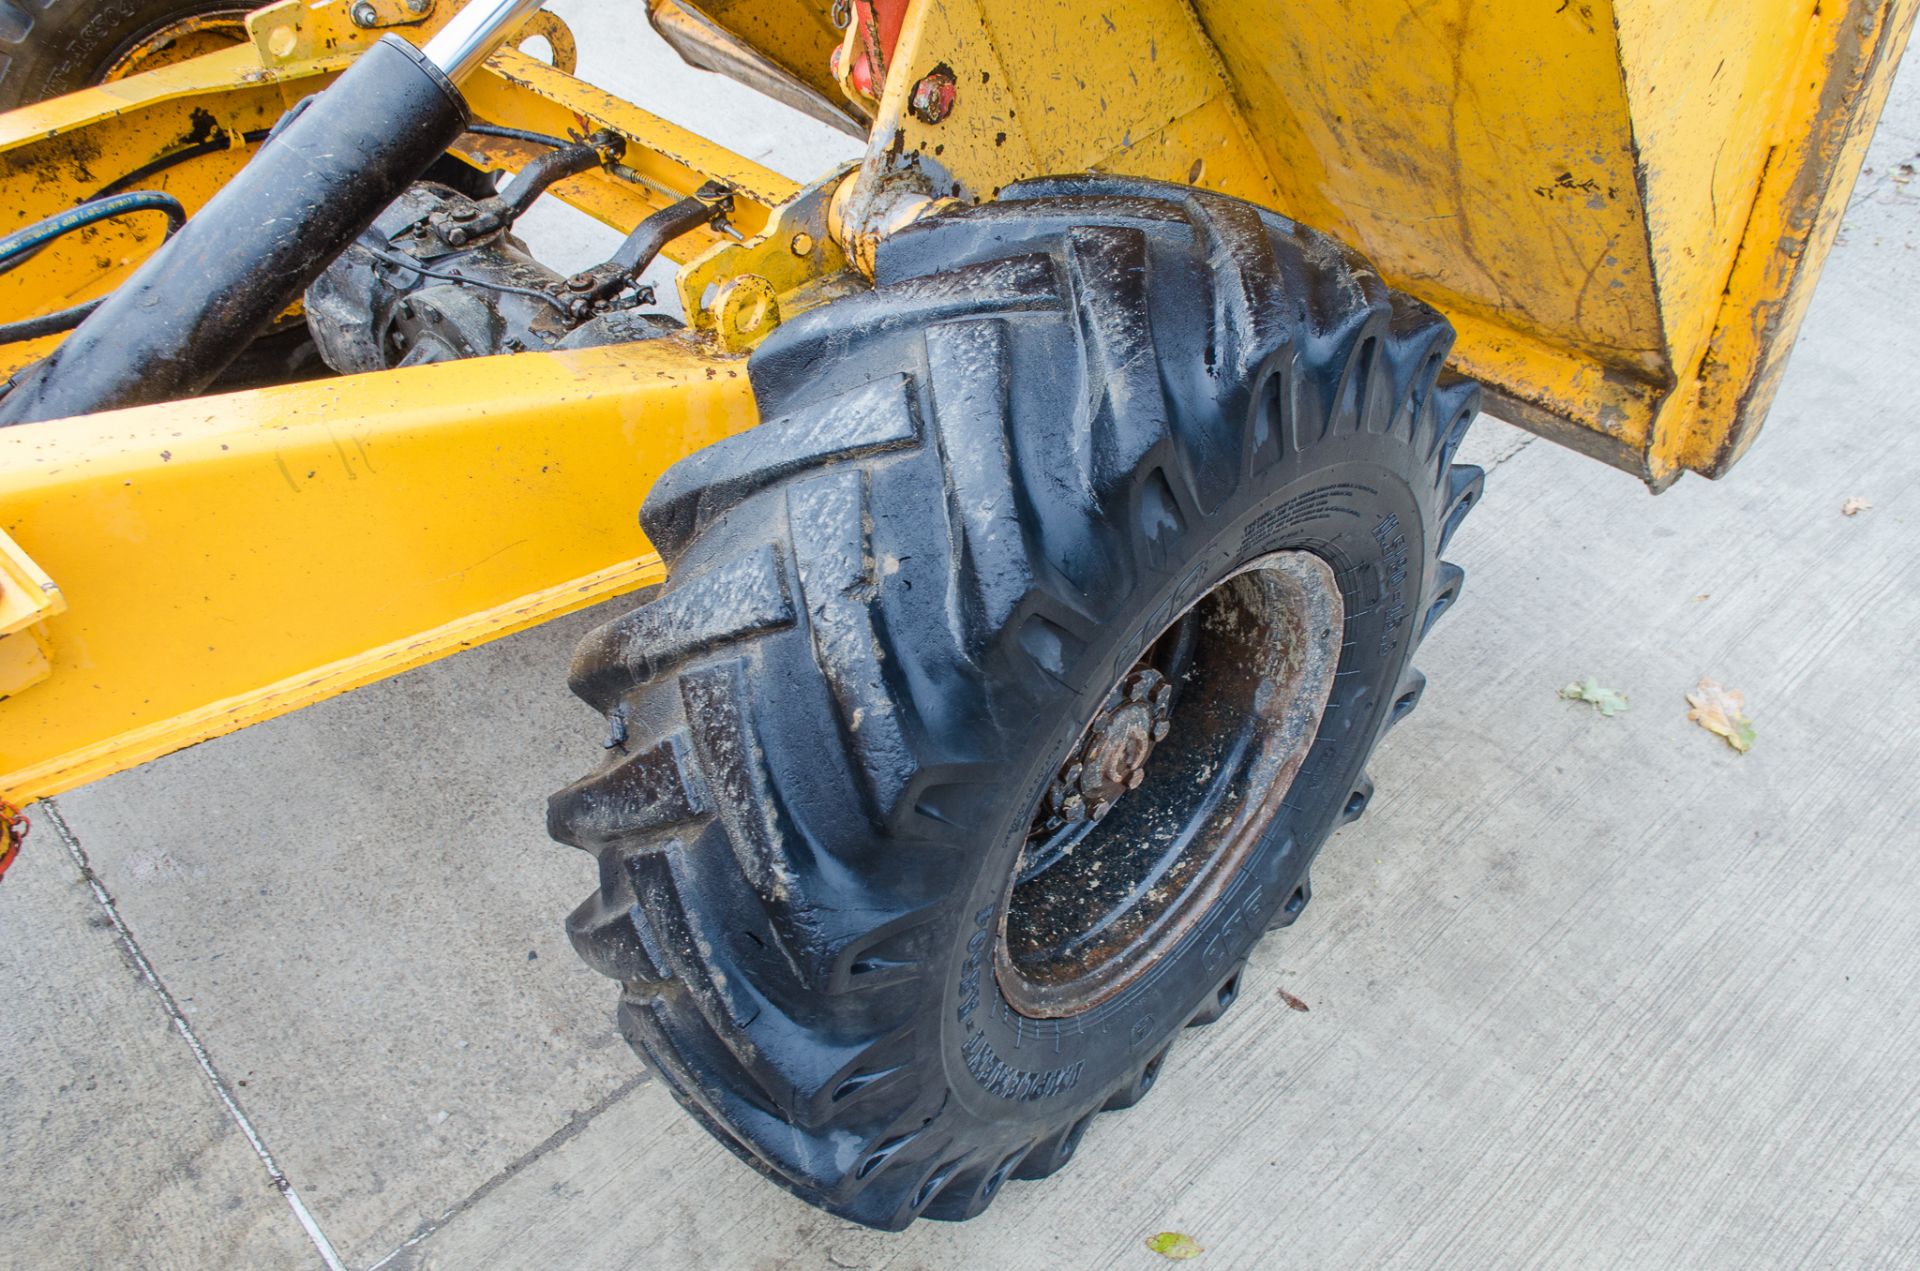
[(313, 187)]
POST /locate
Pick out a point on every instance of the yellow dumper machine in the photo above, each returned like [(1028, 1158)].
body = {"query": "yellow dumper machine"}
[(1048, 507)]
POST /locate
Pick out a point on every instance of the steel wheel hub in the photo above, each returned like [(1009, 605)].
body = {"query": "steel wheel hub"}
[(1172, 785)]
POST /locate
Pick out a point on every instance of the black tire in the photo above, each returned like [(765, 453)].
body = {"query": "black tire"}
[(64, 46), (893, 607)]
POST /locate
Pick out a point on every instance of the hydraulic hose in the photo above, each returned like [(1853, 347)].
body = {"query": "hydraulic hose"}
[(311, 189), (190, 309), (19, 245)]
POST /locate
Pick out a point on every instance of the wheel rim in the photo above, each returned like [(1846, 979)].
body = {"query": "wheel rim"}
[(1170, 786), (177, 41)]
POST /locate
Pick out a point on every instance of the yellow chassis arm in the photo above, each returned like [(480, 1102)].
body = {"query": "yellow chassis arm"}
[(172, 573), (1621, 205), (228, 559)]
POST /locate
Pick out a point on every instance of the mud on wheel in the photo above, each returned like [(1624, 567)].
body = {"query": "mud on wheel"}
[(1008, 679)]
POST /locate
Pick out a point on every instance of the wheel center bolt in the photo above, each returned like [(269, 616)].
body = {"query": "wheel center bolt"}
[(1112, 757)]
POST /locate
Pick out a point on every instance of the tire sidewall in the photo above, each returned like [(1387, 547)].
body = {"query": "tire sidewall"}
[(72, 43)]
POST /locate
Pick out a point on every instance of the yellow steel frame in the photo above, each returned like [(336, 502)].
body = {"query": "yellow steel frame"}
[(228, 559), (1621, 204), (171, 573)]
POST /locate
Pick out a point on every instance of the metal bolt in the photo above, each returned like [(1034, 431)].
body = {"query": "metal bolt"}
[(418, 7), (364, 14), (457, 236), (463, 212), (933, 96), (580, 282), (801, 244)]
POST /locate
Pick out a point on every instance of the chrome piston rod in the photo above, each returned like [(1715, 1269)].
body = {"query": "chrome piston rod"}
[(471, 36)]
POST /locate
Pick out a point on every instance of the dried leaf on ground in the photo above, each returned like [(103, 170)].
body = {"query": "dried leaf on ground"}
[(1854, 507), (1605, 700), (1722, 711), (1291, 1000), (1176, 1245)]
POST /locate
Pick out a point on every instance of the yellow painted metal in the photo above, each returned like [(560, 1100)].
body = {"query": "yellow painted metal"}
[(666, 162), (798, 36), (1046, 86), (28, 597), (177, 41), (1622, 204), (57, 153), (796, 259), (228, 559), (60, 152)]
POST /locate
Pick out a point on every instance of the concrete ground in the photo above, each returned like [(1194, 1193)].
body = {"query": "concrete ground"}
[(1582, 991)]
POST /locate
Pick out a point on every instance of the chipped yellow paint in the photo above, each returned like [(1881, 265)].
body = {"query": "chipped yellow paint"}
[(798, 36), (667, 162), (1130, 87), (1620, 203), (57, 153), (60, 152)]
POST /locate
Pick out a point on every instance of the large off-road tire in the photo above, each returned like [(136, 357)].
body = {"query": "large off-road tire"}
[(47, 49), (1099, 456)]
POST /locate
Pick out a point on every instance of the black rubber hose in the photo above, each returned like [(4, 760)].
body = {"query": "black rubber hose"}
[(16, 247), (516, 134), (191, 308), (174, 157), (67, 319), (47, 323)]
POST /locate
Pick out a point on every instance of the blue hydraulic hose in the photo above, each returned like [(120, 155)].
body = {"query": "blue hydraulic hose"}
[(19, 245), (22, 243)]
